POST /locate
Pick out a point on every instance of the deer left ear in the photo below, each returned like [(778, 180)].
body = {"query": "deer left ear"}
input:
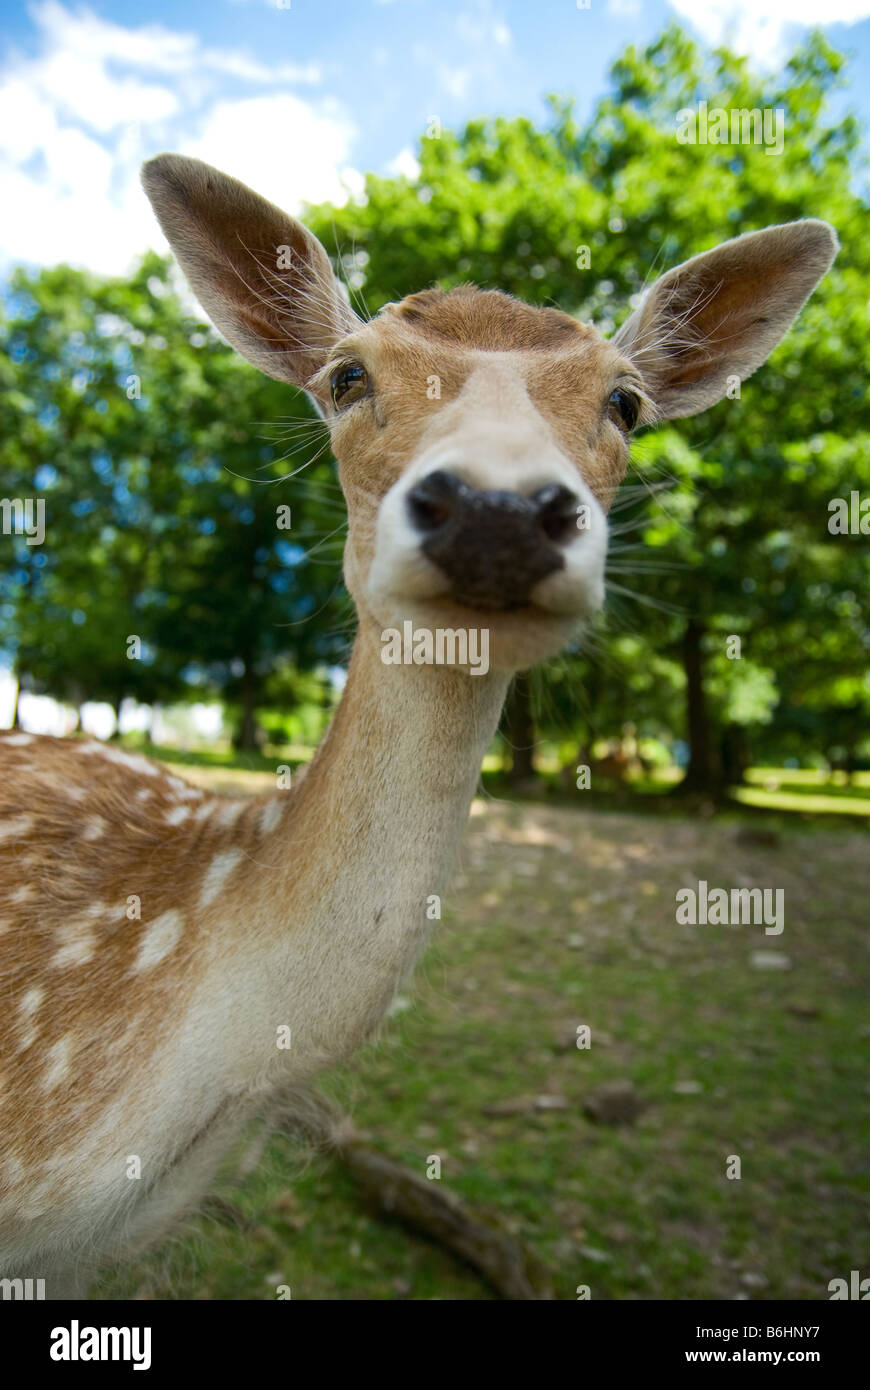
[(720, 314), (264, 280)]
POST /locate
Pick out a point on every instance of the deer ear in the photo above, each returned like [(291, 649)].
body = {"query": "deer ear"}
[(265, 282), (719, 315)]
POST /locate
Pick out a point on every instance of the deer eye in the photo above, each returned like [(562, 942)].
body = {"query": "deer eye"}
[(623, 408), (349, 383)]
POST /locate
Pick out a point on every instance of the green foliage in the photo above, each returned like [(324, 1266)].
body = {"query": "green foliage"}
[(162, 510), (162, 458), (738, 512)]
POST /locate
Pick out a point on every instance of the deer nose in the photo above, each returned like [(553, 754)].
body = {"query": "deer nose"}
[(493, 546)]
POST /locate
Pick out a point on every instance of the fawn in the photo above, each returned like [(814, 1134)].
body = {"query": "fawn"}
[(136, 1044)]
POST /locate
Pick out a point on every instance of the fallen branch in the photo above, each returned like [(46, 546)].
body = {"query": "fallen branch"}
[(441, 1215), (422, 1205)]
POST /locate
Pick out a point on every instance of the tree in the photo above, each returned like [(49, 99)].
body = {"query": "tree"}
[(579, 217), (169, 517), (162, 507)]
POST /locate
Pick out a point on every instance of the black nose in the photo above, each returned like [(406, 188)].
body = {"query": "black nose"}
[(493, 546)]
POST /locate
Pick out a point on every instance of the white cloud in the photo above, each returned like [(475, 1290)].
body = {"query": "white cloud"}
[(454, 81), (405, 163), (475, 53), (81, 88), (762, 31), (279, 145), (154, 47), (77, 119), (483, 27)]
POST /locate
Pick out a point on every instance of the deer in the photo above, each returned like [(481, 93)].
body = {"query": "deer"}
[(160, 945)]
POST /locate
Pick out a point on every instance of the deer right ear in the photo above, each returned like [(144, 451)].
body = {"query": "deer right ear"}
[(263, 279), (717, 317)]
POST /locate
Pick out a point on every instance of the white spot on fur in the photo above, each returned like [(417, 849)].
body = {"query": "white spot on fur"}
[(270, 816), (217, 873), (183, 791), (18, 825), (161, 936), (15, 1171), (19, 740), (23, 894), (117, 755), (229, 813), (177, 815), (95, 828), (144, 793), (58, 1060), (204, 811), (77, 793), (31, 1001), (78, 944)]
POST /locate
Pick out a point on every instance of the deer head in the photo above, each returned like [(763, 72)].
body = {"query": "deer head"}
[(479, 440)]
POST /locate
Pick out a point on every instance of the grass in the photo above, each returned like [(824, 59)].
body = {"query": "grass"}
[(806, 790), (561, 916), (805, 800)]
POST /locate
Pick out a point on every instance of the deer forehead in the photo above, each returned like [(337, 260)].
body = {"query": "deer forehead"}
[(486, 371)]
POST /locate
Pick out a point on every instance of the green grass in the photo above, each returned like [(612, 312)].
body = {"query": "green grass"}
[(812, 779), (803, 791), (563, 916), (805, 800), (807, 791)]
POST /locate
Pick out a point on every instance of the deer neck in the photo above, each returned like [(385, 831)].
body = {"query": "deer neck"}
[(366, 845), (415, 737)]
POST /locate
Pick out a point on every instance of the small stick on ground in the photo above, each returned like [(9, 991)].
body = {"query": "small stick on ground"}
[(426, 1207), (438, 1213)]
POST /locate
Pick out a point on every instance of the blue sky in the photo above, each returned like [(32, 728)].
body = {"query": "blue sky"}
[(300, 97)]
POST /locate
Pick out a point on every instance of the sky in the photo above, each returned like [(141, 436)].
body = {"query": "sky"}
[(300, 98)]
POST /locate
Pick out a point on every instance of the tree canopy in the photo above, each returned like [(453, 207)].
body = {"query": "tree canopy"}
[(165, 461)]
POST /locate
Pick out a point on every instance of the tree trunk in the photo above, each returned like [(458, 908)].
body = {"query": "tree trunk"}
[(851, 762), (116, 706), (75, 696), (519, 730), (700, 774), (247, 737), (734, 754), (16, 719)]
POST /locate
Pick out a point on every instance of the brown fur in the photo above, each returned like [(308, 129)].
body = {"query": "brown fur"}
[(95, 831), (489, 320)]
